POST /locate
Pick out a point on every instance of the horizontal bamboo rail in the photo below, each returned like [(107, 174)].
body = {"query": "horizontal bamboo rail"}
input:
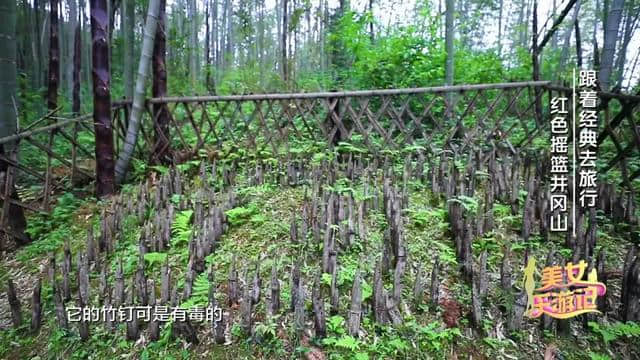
[(343, 94)]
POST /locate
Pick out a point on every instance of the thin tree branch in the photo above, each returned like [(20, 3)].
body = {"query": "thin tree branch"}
[(556, 23)]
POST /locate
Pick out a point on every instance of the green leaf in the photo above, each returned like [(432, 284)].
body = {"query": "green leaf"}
[(347, 342), (155, 257)]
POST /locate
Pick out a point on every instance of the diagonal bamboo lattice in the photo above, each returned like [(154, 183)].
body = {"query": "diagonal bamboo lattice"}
[(268, 127)]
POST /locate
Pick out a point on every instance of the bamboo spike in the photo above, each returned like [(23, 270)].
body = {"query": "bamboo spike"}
[(355, 311), (165, 286), (398, 274), (626, 293), (318, 308), (83, 280), (334, 297), (293, 229), (257, 284), (61, 313), (66, 270), (379, 299), (275, 290), (295, 283), (435, 282), (505, 269), (245, 306), (233, 283), (547, 321), (90, 246), (516, 313), (483, 284), (36, 307), (418, 287), (298, 312), (133, 331), (118, 290), (14, 304), (188, 281), (154, 325), (602, 302), (328, 235), (141, 283)]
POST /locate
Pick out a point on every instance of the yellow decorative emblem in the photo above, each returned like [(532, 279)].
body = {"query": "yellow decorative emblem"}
[(563, 293)]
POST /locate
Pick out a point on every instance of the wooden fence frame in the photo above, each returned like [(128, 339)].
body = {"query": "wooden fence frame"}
[(344, 106)]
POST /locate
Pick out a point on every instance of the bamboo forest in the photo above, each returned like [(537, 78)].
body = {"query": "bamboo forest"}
[(320, 179)]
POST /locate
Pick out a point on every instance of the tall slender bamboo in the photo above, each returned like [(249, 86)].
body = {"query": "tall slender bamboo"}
[(629, 26), (105, 182), (54, 57), (193, 43), (77, 63), (138, 99), (70, 27), (207, 45), (535, 58), (128, 17), (609, 45), (161, 151), (38, 49), (8, 71), (449, 36), (8, 120), (285, 30)]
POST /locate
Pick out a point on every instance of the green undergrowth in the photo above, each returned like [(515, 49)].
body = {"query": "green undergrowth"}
[(258, 234)]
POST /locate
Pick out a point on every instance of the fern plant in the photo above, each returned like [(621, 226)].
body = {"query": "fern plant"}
[(199, 293), (181, 229), (616, 330)]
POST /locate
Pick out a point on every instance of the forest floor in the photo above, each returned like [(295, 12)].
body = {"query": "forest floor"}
[(259, 231)]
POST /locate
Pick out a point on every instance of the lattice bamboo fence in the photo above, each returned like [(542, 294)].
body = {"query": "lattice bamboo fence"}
[(460, 120)]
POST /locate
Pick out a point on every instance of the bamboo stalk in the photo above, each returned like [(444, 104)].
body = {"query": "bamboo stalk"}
[(357, 93)]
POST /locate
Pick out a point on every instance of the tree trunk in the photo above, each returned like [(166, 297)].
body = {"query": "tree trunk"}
[(521, 20), (500, 28), (371, 35), (223, 33), (105, 184), (567, 39), (278, 41), (8, 114), (128, 32), (449, 36), (285, 30), (193, 44), (215, 44), (535, 57), (207, 45), (633, 71), (554, 38), (54, 57), (261, 35), (38, 49), (161, 152), (75, 89), (138, 99), (77, 63), (576, 26), (609, 46), (526, 27), (229, 33), (8, 75), (71, 41), (629, 26)]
